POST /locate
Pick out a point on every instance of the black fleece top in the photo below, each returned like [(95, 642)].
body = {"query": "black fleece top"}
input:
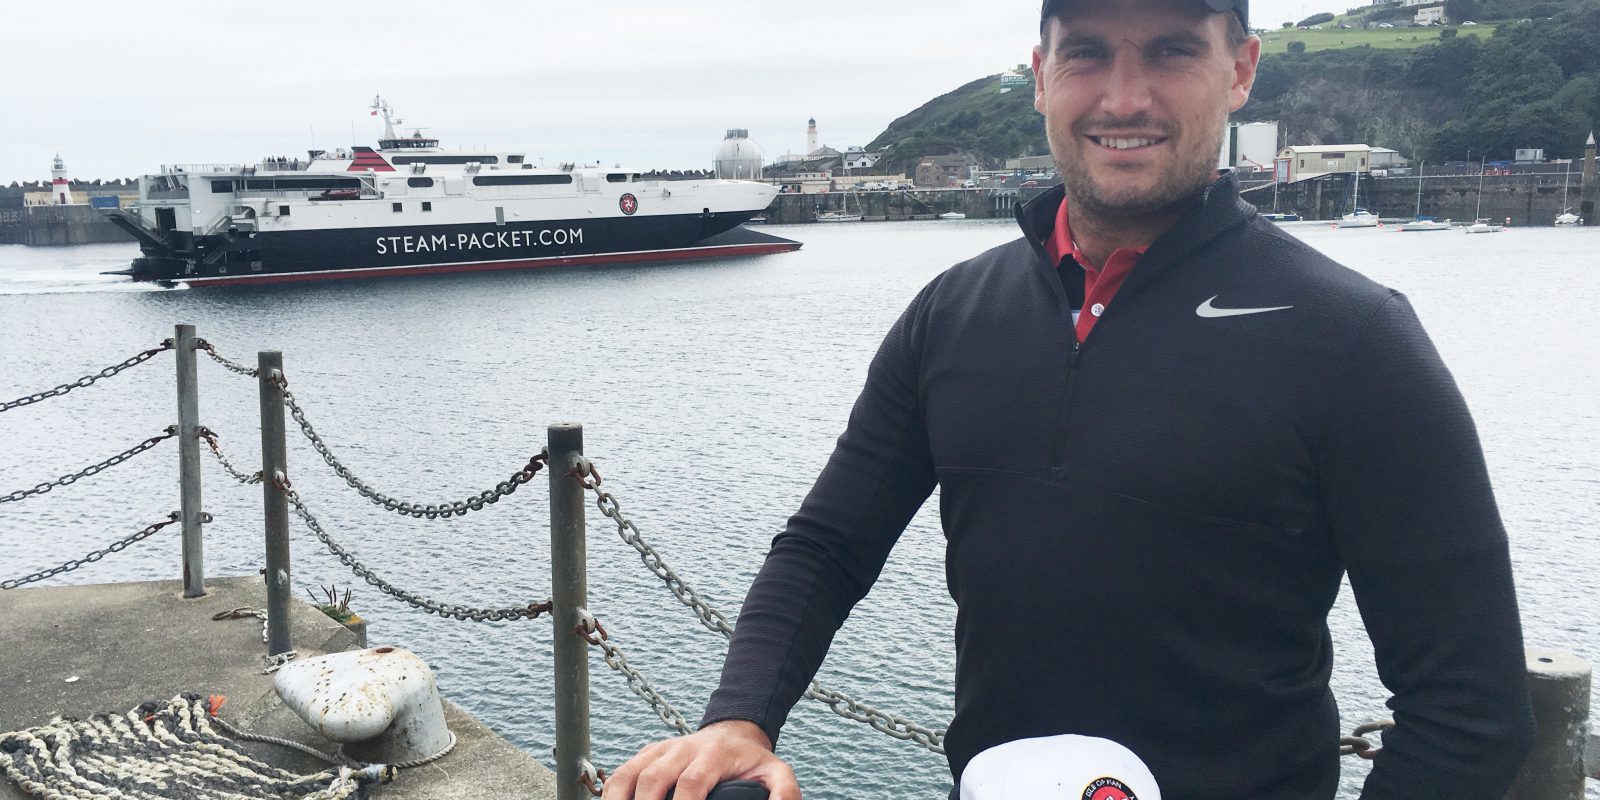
[(1146, 532)]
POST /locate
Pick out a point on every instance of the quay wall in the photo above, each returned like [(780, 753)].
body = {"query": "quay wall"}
[(1527, 199), (893, 205), (43, 226)]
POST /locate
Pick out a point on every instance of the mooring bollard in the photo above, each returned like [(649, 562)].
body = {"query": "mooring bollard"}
[(569, 595), (275, 467), (194, 568), (1558, 684)]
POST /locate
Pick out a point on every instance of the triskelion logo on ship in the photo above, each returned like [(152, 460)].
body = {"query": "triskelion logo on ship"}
[(628, 204), (1107, 789)]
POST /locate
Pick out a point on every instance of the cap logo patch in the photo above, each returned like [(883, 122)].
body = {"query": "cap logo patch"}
[(1108, 789)]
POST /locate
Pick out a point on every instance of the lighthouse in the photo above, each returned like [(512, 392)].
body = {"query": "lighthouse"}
[(811, 136), (59, 193)]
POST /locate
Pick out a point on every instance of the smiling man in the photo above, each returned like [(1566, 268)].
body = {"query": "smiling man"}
[(1162, 431)]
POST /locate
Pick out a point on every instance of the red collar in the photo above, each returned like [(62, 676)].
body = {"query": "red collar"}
[(1061, 244)]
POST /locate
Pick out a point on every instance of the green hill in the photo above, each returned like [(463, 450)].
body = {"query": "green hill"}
[(1478, 90)]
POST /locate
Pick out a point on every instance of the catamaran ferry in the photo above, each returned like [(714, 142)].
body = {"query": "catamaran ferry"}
[(411, 207)]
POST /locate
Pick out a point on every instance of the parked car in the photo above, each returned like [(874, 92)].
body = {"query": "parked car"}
[(1469, 22), (1030, 184), (1386, 25)]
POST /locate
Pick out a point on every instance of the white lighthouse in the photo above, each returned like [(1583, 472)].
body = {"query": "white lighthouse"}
[(811, 136), (60, 194)]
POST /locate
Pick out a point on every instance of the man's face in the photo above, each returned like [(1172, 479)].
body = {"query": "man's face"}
[(1136, 95)]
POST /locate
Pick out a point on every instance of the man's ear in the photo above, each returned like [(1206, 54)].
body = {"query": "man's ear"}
[(1245, 60), (1038, 78)]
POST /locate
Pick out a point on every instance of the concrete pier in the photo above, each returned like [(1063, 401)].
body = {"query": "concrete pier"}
[(79, 650)]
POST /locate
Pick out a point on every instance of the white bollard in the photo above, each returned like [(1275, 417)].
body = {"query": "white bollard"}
[(380, 702)]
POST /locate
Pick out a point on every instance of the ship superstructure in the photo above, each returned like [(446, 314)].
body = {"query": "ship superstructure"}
[(409, 206)]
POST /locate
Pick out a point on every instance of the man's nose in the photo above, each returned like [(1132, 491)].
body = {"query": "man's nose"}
[(1128, 88)]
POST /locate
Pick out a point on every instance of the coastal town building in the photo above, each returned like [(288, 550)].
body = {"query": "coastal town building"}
[(936, 172), (1299, 162), (1430, 16)]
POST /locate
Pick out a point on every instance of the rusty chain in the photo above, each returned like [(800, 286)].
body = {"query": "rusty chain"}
[(87, 380), (1357, 743), (713, 620), (227, 363), (115, 547), (92, 469), (419, 510), (590, 630), (450, 610), (593, 779), (216, 450)]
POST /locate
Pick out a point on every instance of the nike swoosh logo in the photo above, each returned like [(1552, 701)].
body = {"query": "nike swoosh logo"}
[(1209, 311)]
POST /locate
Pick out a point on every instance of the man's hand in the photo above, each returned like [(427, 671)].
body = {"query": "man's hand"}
[(721, 751)]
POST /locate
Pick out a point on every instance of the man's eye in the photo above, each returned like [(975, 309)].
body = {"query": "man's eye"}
[(1081, 53), (1175, 52)]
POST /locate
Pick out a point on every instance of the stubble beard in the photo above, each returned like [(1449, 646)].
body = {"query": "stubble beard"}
[(1173, 188)]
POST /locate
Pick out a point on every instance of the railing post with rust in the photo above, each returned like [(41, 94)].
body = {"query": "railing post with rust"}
[(194, 568), (1558, 685), (275, 499), (569, 595)]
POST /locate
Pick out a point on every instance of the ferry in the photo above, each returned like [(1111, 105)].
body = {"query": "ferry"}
[(410, 207)]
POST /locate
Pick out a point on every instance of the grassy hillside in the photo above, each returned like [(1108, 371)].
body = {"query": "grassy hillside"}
[(1277, 42)]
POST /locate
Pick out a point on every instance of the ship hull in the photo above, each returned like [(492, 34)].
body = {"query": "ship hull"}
[(237, 258)]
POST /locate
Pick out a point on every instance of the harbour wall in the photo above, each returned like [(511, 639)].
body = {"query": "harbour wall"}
[(58, 225), (1526, 199), (894, 205)]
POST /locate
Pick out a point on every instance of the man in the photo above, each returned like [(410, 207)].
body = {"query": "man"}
[(1162, 430)]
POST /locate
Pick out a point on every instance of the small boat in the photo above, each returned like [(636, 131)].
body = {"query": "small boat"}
[(952, 215), (843, 215), (1481, 224), (1281, 217), (1425, 224), (339, 194), (1360, 218), (1566, 217)]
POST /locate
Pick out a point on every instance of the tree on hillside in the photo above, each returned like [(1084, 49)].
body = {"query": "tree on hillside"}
[(1297, 46), (1317, 19)]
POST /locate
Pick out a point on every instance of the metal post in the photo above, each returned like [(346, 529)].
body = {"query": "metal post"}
[(275, 464), (569, 593), (1558, 684), (194, 568)]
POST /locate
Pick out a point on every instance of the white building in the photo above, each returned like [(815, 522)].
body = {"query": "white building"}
[(1426, 16), (1299, 162)]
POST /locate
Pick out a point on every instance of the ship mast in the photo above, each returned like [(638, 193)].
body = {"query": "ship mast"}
[(389, 120)]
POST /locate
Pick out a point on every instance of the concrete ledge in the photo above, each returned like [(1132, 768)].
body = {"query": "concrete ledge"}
[(122, 644)]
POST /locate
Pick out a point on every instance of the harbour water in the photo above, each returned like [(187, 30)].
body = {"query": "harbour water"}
[(711, 394)]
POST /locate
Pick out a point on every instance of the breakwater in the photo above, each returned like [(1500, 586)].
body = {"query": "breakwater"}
[(885, 205), (1533, 198), (58, 225)]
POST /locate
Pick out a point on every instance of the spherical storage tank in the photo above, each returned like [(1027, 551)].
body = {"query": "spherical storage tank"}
[(738, 157)]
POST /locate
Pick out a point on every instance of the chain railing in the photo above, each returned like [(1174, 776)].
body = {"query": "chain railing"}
[(420, 510), (88, 380), (227, 363), (591, 631), (92, 469), (115, 547), (362, 571), (714, 621), (216, 451)]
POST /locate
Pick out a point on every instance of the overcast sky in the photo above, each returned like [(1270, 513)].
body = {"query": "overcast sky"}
[(119, 88)]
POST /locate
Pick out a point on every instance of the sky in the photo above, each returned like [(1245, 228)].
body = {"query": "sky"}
[(120, 88)]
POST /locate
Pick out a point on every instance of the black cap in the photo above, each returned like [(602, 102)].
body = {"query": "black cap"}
[(1240, 9)]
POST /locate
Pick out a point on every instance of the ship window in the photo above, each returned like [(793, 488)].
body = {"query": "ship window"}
[(289, 184), (427, 206), (419, 183), (616, 177), (499, 215), (398, 207), (283, 211), (475, 159), (221, 187), (519, 180), (513, 159)]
